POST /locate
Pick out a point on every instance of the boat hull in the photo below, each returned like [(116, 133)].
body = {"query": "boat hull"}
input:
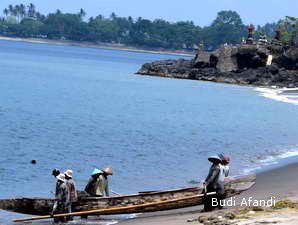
[(173, 199)]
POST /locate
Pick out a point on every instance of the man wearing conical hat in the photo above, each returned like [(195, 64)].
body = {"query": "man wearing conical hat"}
[(73, 196), (98, 183), (93, 183), (104, 182), (61, 198), (214, 182)]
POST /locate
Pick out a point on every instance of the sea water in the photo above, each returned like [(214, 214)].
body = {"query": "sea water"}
[(79, 108)]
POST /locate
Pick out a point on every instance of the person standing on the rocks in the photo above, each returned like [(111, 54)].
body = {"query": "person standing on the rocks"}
[(61, 198), (214, 182), (73, 196)]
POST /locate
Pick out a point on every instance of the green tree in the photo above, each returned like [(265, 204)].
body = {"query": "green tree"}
[(82, 13), (228, 18), (104, 30), (70, 26), (11, 9), (6, 12), (31, 10), (226, 28), (22, 11)]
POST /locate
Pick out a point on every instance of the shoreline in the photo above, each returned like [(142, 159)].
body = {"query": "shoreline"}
[(286, 95), (278, 182), (105, 46)]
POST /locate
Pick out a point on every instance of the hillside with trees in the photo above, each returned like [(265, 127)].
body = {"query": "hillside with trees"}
[(27, 22)]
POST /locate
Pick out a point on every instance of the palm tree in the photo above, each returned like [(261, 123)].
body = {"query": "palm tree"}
[(82, 13), (17, 10), (113, 16), (10, 9), (39, 16), (22, 11), (6, 12), (31, 10)]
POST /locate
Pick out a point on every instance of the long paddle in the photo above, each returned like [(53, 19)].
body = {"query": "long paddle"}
[(111, 210)]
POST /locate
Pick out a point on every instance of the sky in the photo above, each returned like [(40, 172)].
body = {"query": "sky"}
[(202, 12)]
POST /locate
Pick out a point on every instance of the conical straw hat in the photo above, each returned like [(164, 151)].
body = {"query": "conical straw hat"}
[(61, 177), (68, 173), (108, 170)]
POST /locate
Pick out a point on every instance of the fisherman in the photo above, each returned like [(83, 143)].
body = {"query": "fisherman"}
[(225, 163), (61, 198), (73, 196), (92, 188), (103, 181), (55, 172), (214, 182)]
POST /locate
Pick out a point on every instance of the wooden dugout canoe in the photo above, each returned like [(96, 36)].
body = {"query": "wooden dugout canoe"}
[(126, 204)]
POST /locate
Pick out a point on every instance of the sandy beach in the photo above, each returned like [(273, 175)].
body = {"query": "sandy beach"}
[(107, 46), (280, 183)]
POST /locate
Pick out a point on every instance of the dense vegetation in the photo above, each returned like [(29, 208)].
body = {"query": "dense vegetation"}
[(228, 27)]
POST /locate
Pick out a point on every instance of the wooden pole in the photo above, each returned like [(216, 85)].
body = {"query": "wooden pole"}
[(113, 209), (115, 193)]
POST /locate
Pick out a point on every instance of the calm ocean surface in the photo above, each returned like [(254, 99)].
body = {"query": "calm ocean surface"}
[(80, 108)]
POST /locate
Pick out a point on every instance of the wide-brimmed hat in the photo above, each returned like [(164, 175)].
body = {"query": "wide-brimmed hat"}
[(68, 173), (61, 177), (96, 171), (108, 170), (215, 159)]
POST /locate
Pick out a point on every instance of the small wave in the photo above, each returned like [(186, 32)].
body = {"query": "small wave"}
[(288, 95), (289, 154), (270, 160)]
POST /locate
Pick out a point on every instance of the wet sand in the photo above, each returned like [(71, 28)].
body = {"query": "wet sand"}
[(280, 183)]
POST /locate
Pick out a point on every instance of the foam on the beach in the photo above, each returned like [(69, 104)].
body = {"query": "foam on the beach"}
[(271, 160), (281, 94), (287, 95)]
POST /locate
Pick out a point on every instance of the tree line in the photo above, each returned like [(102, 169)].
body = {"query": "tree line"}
[(228, 27)]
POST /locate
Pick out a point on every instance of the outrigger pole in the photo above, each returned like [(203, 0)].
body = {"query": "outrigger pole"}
[(114, 209)]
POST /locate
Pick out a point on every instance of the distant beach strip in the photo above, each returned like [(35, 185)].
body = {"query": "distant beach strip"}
[(94, 45)]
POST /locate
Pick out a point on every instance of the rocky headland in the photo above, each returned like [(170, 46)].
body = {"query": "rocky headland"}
[(264, 65)]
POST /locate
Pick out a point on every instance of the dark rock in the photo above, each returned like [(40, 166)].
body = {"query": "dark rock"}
[(289, 59), (273, 69), (244, 65), (202, 59), (227, 59)]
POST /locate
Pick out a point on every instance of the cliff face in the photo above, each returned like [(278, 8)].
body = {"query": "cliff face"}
[(244, 64)]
